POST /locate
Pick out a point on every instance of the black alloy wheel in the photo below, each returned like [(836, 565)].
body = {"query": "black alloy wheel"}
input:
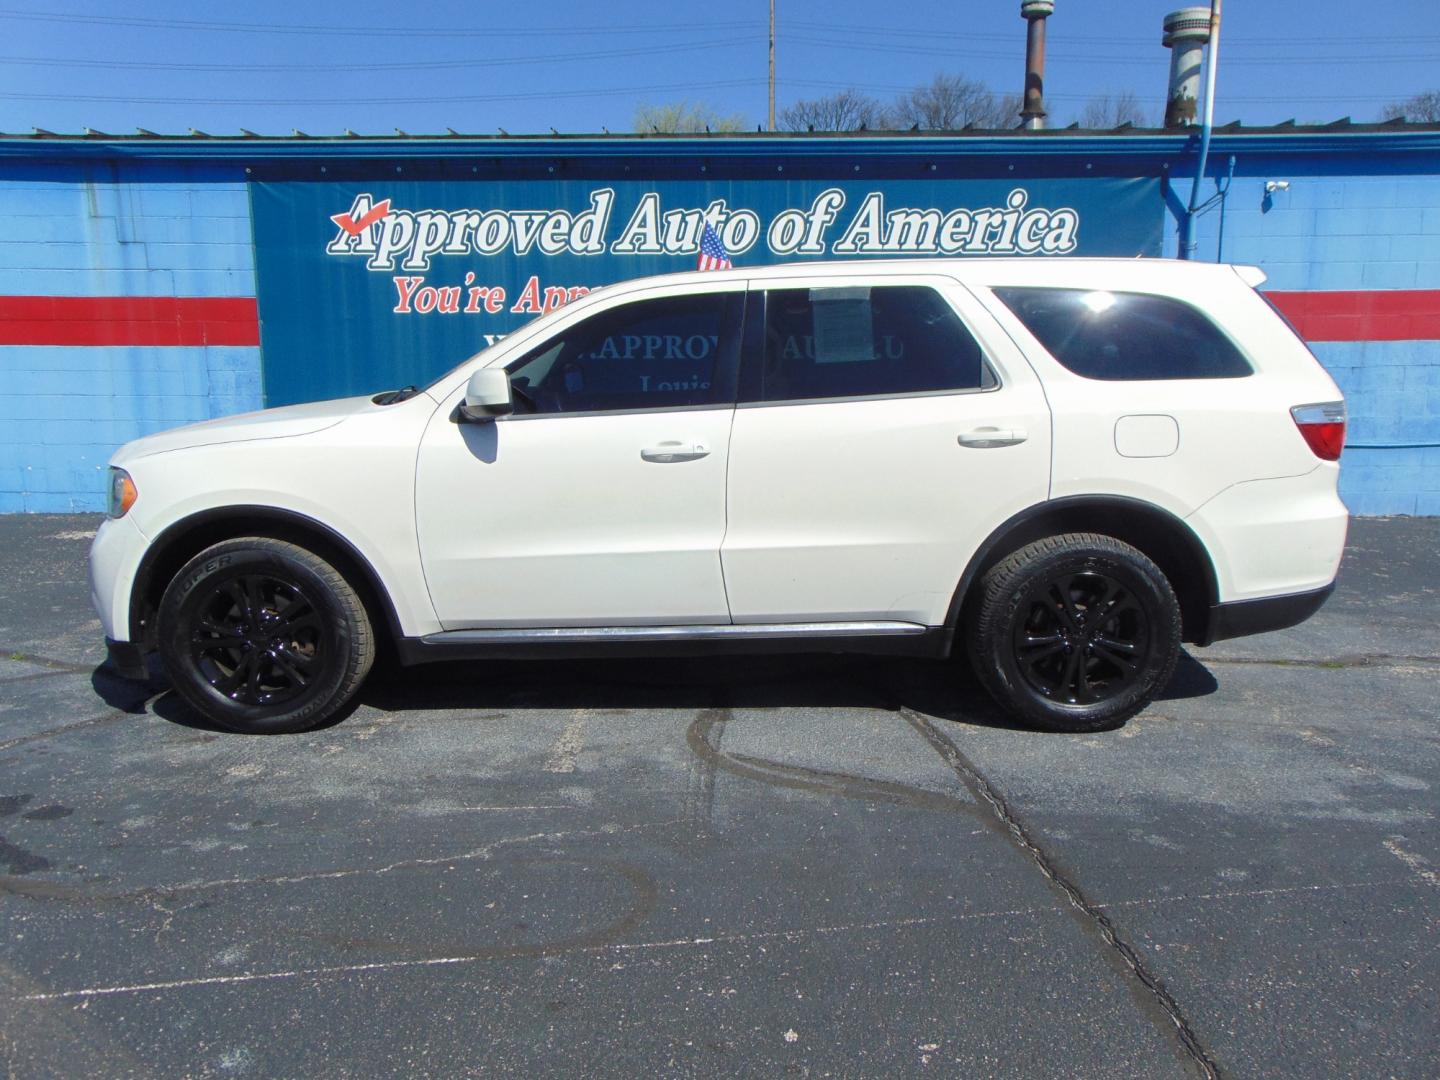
[(1076, 632), (258, 639), (263, 636), (1080, 638)]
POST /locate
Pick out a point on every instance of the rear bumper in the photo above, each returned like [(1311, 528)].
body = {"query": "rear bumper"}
[(1242, 617), (1274, 538)]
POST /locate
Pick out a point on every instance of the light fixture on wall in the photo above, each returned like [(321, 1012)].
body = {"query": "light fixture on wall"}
[(1267, 201)]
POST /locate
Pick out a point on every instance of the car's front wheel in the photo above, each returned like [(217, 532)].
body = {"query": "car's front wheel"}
[(262, 636), (1076, 632)]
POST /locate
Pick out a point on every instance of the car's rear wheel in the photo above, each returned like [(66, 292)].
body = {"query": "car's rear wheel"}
[(262, 636), (1076, 632)]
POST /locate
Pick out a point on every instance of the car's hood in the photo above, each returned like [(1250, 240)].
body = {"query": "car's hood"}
[(265, 424)]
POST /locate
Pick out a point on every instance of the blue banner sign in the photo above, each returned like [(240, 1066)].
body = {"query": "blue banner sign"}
[(372, 285)]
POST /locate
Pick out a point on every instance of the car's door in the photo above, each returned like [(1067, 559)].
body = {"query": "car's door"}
[(601, 501), (886, 425)]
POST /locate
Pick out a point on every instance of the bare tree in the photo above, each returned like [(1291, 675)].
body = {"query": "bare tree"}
[(1423, 108), (1007, 110), (1112, 110), (684, 118), (948, 102), (849, 110)]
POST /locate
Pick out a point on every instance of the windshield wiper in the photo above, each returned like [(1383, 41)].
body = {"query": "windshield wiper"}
[(390, 397)]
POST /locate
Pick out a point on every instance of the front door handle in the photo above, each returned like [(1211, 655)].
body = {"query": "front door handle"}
[(675, 450), (986, 438)]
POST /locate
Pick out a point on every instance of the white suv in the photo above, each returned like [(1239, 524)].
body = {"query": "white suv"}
[(1061, 468)]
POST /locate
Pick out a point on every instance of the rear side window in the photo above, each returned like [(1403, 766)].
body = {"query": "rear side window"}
[(1121, 336), (864, 342)]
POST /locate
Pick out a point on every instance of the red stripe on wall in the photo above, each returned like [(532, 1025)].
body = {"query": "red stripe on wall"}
[(129, 320), (1369, 315), (1351, 315)]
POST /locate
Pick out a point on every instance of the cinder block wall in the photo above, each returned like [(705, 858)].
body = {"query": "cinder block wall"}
[(1355, 224), (64, 408), (1344, 237)]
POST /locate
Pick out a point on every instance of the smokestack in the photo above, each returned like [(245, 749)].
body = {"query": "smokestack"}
[(1186, 33), (1035, 12)]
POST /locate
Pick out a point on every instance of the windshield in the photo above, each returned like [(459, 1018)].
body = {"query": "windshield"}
[(433, 383)]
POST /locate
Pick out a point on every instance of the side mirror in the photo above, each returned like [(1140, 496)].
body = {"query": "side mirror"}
[(487, 395)]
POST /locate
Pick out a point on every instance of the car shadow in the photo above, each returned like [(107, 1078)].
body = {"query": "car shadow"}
[(1192, 679), (942, 689), (128, 695)]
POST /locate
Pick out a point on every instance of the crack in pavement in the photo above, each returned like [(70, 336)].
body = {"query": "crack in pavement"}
[(990, 806), (718, 939), (54, 890), (51, 673), (48, 733), (985, 793), (645, 897), (1336, 663), (19, 656)]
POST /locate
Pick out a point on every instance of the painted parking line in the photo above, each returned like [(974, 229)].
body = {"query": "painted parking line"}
[(567, 748), (1419, 866)]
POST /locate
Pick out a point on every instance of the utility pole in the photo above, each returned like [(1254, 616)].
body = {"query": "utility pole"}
[(1187, 241), (772, 65)]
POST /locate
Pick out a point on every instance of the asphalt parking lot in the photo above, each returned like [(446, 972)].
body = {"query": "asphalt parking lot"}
[(809, 866)]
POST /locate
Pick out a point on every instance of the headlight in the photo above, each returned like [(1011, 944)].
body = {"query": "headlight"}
[(122, 492)]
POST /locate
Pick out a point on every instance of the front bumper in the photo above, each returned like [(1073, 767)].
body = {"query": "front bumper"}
[(115, 556), (128, 659), (1243, 617)]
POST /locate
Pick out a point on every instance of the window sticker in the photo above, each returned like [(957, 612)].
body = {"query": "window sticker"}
[(844, 326)]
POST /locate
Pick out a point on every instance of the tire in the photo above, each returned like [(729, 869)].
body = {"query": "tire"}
[(264, 637), (1075, 633)]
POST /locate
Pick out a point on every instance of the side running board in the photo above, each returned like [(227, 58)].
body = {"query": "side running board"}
[(553, 641), (705, 632)]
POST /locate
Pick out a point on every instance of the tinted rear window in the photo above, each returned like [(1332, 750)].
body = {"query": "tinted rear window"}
[(1125, 336), (866, 342)]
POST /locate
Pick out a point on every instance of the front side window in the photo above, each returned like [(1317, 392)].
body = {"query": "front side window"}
[(867, 341), (1119, 336), (653, 354)]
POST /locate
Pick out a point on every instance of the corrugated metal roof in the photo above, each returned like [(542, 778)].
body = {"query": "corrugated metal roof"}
[(1234, 127)]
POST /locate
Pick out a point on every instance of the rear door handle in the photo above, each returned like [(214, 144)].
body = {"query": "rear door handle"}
[(675, 450), (986, 438)]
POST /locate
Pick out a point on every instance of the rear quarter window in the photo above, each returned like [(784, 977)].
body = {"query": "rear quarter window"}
[(1121, 337)]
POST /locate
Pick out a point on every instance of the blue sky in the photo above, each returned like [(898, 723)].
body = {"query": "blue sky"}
[(372, 65)]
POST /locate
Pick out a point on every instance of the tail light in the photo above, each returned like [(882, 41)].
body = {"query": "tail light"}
[(1323, 428)]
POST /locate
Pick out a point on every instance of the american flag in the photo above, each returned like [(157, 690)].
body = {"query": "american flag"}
[(713, 255)]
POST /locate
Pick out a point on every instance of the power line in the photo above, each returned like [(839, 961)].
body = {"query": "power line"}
[(603, 92), (388, 100), (354, 31), (1224, 101), (869, 31), (422, 65), (1111, 39), (1055, 56)]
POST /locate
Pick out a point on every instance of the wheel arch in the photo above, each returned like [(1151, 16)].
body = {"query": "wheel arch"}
[(182, 540), (1160, 535)]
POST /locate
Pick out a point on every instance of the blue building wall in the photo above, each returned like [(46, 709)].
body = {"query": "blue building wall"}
[(1352, 231), (65, 409), (1362, 212)]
